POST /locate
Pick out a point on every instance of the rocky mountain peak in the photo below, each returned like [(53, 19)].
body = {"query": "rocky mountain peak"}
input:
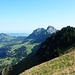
[(38, 30), (51, 29)]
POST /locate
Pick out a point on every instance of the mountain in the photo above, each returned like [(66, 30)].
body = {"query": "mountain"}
[(54, 46), (40, 34), (36, 33), (51, 29)]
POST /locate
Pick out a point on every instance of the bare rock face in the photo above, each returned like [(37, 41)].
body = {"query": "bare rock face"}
[(51, 29)]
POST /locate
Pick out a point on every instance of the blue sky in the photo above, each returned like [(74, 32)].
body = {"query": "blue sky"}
[(23, 16)]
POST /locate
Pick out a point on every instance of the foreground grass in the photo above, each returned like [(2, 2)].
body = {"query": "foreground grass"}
[(63, 65)]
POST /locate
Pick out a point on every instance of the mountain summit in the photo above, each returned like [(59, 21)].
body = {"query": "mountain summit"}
[(51, 29), (38, 30), (40, 34), (36, 33)]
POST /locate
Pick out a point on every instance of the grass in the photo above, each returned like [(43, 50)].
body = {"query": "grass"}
[(63, 65), (28, 46), (4, 62)]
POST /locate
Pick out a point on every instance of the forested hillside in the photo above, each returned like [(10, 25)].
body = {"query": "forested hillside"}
[(57, 43)]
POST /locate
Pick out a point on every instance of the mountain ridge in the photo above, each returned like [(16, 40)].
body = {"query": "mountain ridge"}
[(40, 34)]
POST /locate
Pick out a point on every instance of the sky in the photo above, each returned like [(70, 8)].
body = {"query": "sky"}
[(24, 16)]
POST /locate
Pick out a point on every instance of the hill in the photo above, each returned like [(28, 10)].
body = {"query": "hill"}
[(63, 65), (57, 44), (4, 37)]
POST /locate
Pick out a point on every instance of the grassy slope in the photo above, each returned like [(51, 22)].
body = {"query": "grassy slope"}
[(63, 65)]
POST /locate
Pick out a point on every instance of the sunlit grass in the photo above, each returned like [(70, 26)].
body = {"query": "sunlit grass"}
[(63, 65)]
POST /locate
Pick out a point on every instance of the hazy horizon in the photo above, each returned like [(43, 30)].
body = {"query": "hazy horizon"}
[(24, 16)]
